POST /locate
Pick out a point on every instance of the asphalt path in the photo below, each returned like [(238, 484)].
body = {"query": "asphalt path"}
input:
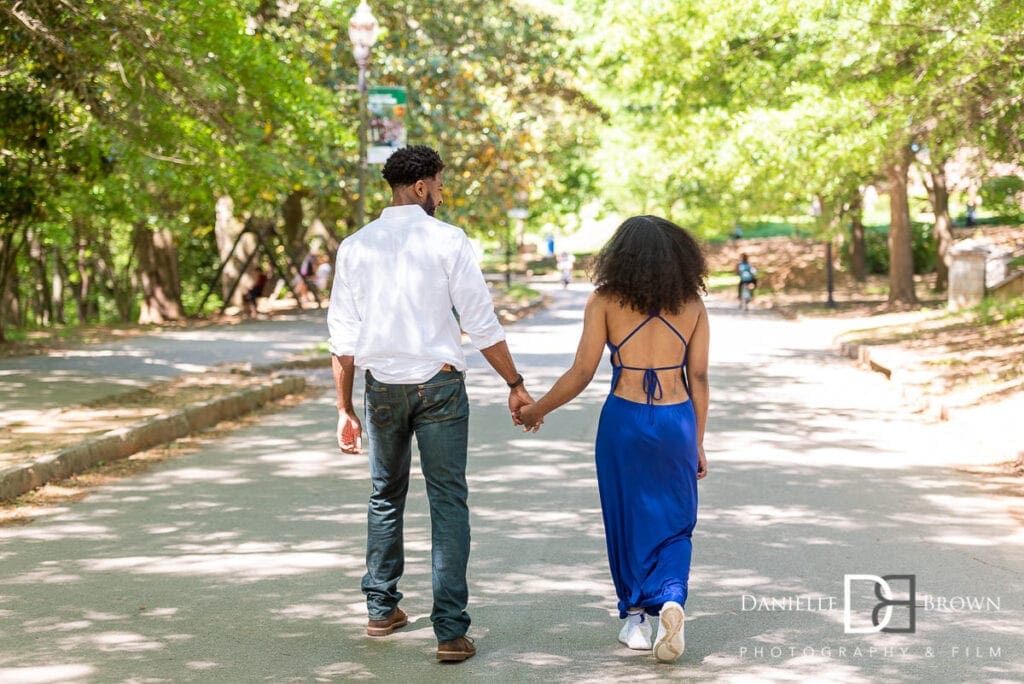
[(33, 386), (241, 562)]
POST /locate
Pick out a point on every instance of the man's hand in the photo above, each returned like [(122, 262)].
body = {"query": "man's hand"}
[(350, 432), (517, 399)]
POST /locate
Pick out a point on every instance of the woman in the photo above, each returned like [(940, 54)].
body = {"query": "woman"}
[(649, 450)]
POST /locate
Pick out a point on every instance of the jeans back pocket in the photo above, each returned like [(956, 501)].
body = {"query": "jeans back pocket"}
[(442, 401)]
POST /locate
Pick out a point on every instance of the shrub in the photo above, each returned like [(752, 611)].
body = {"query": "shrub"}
[(876, 248), (1003, 194)]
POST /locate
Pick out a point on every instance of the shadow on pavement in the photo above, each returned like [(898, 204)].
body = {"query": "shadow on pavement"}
[(243, 561)]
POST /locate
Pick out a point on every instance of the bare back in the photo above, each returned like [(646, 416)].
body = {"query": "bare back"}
[(653, 345)]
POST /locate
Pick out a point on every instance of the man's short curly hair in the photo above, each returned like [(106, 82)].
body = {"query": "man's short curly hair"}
[(650, 265), (407, 165)]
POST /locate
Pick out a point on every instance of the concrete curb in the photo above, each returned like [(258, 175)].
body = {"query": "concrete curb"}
[(125, 441), (919, 400), (511, 314), (862, 354)]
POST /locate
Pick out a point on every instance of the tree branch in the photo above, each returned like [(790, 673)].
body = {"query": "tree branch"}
[(916, 27), (160, 157), (34, 26)]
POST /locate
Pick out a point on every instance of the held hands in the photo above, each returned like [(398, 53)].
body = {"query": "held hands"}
[(349, 433), (518, 400), (531, 418)]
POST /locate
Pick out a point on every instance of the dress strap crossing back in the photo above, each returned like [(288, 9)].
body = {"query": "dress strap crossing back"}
[(651, 383)]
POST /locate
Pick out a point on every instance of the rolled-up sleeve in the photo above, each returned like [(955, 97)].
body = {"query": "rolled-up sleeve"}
[(342, 315), (472, 299)]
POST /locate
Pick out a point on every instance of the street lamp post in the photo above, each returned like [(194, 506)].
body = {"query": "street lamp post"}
[(519, 214), (362, 31), (816, 212), (830, 277)]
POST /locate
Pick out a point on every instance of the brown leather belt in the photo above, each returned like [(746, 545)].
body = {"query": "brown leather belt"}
[(447, 368)]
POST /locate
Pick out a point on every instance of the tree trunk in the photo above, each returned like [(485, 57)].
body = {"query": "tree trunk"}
[(118, 285), (11, 314), (11, 241), (42, 304), (60, 277), (901, 253), (858, 252), (294, 230), (83, 292), (157, 274), (938, 193), (227, 229)]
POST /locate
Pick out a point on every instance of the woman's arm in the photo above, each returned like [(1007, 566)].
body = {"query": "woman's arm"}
[(697, 376), (579, 375)]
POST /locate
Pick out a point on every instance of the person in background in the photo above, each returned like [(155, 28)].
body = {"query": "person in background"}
[(565, 263), (257, 290), (748, 277), (323, 273)]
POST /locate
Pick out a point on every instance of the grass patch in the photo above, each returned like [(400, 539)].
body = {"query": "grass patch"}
[(720, 281), (992, 312), (517, 292)]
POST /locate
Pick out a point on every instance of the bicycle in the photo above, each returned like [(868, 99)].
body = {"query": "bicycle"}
[(746, 294)]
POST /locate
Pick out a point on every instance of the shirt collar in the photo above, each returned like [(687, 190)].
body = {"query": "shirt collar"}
[(403, 211)]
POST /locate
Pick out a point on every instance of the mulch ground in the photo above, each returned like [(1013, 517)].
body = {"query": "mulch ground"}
[(51, 497)]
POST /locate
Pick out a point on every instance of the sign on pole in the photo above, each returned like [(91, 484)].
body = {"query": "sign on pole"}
[(387, 105)]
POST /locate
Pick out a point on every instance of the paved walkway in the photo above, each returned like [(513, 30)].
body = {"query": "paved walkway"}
[(242, 562), (31, 386)]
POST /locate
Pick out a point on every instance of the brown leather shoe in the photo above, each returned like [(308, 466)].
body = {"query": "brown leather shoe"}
[(456, 650), (379, 628)]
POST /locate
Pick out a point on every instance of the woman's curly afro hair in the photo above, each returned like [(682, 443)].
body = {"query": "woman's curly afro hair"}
[(651, 265)]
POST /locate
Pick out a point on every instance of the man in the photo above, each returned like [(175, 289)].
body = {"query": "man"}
[(398, 285)]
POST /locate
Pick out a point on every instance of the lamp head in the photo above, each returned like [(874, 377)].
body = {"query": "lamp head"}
[(363, 30)]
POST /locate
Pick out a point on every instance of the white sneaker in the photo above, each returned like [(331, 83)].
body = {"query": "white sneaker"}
[(670, 642), (636, 635)]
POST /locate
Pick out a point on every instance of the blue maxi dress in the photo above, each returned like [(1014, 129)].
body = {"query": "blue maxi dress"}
[(646, 457)]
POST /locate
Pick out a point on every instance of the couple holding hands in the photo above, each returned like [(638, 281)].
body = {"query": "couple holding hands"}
[(396, 284)]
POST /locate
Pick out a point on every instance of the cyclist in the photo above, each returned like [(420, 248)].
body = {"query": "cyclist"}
[(748, 279)]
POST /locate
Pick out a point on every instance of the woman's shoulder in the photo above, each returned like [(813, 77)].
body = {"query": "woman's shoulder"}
[(601, 300), (689, 312)]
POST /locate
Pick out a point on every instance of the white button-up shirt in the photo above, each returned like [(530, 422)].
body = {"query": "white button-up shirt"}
[(396, 283)]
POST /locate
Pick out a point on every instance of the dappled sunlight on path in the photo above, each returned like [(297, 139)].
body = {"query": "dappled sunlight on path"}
[(32, 384), (243, 561)]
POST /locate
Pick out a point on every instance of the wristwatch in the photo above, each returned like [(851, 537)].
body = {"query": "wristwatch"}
[(517, 382)]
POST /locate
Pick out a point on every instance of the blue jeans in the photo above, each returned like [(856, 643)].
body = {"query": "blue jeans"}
[(437, 412)]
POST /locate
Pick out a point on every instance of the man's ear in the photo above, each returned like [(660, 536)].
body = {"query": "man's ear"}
[(420, 188)]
